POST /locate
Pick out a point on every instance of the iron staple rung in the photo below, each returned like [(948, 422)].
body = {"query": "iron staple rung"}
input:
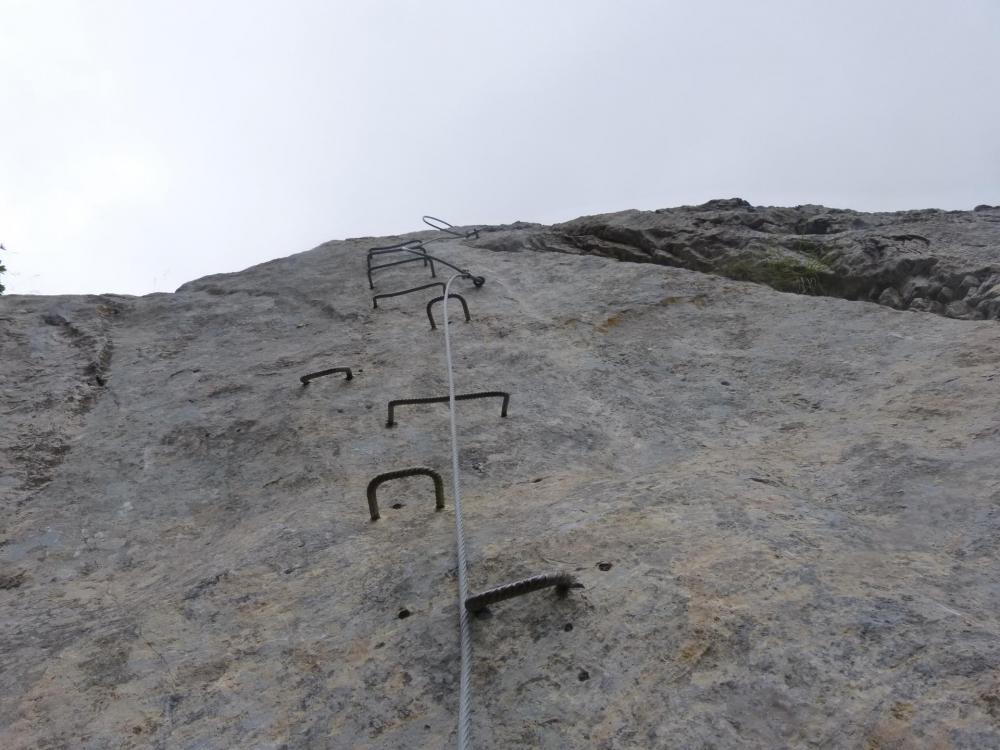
[(377, 297), (414, 259), (408, 246), (444, 400), (563, 582), (421, 252), (399, 248), (402, 474), (418, 252), (332, 371), (459, 297)]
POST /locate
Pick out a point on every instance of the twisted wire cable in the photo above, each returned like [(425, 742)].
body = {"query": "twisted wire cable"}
[(464, 618)]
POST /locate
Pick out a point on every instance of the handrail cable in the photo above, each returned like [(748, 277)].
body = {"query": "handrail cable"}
[(464, 617)]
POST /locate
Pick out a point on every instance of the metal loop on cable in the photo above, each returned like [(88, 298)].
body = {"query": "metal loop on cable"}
[(450, 228)]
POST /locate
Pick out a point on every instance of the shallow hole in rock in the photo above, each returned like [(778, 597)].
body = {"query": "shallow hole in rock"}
[(604, 566), (583, 676), (568, 626), (536, 481), (397, 506), (380, 644), (403, 613)]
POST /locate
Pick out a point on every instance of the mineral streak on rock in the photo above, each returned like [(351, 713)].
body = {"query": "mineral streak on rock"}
[(785, 509)]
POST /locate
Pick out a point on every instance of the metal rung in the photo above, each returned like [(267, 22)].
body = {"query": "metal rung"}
[(421, 252), (377, 297), (399, 248), (402, 474), (459, 297), (414, 259), (333, 370), (444, 400), (562, 582)]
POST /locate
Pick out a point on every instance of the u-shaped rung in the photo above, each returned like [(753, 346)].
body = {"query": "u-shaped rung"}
[(444, 400), (333, 370), (562, 582), (401, 247), (402, 474), (459, 297), (420, 256), (418, 249), (377, 297), (419, 253)]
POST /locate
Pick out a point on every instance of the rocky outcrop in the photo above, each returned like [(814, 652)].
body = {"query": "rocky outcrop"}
[(945, 262), (783, 508)]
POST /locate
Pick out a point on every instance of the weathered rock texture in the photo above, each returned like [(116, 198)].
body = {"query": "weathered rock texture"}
[(785, 509), (945, 262)]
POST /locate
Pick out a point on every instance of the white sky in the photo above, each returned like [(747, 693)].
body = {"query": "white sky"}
[(146, 143)]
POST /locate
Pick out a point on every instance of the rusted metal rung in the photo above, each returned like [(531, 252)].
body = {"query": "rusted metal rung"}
[(420, 250), (377, 297), (562, 582), (332, 371), (402, 474), (398, 248), (418, 253), (417, 248), (444, 400), (459, 297), (414, 259)]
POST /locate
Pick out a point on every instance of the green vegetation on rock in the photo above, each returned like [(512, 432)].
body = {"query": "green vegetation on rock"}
[(781, 272)]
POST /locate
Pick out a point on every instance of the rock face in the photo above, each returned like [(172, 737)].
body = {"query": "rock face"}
[(785, 509), (946, 262)]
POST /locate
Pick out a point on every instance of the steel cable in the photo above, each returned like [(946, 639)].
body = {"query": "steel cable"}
[(466, 606), (464, 618)]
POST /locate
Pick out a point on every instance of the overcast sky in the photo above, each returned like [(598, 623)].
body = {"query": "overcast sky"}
[(151, 142)]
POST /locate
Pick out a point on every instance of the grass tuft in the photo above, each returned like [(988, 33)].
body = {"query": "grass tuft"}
[(780, 272)]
